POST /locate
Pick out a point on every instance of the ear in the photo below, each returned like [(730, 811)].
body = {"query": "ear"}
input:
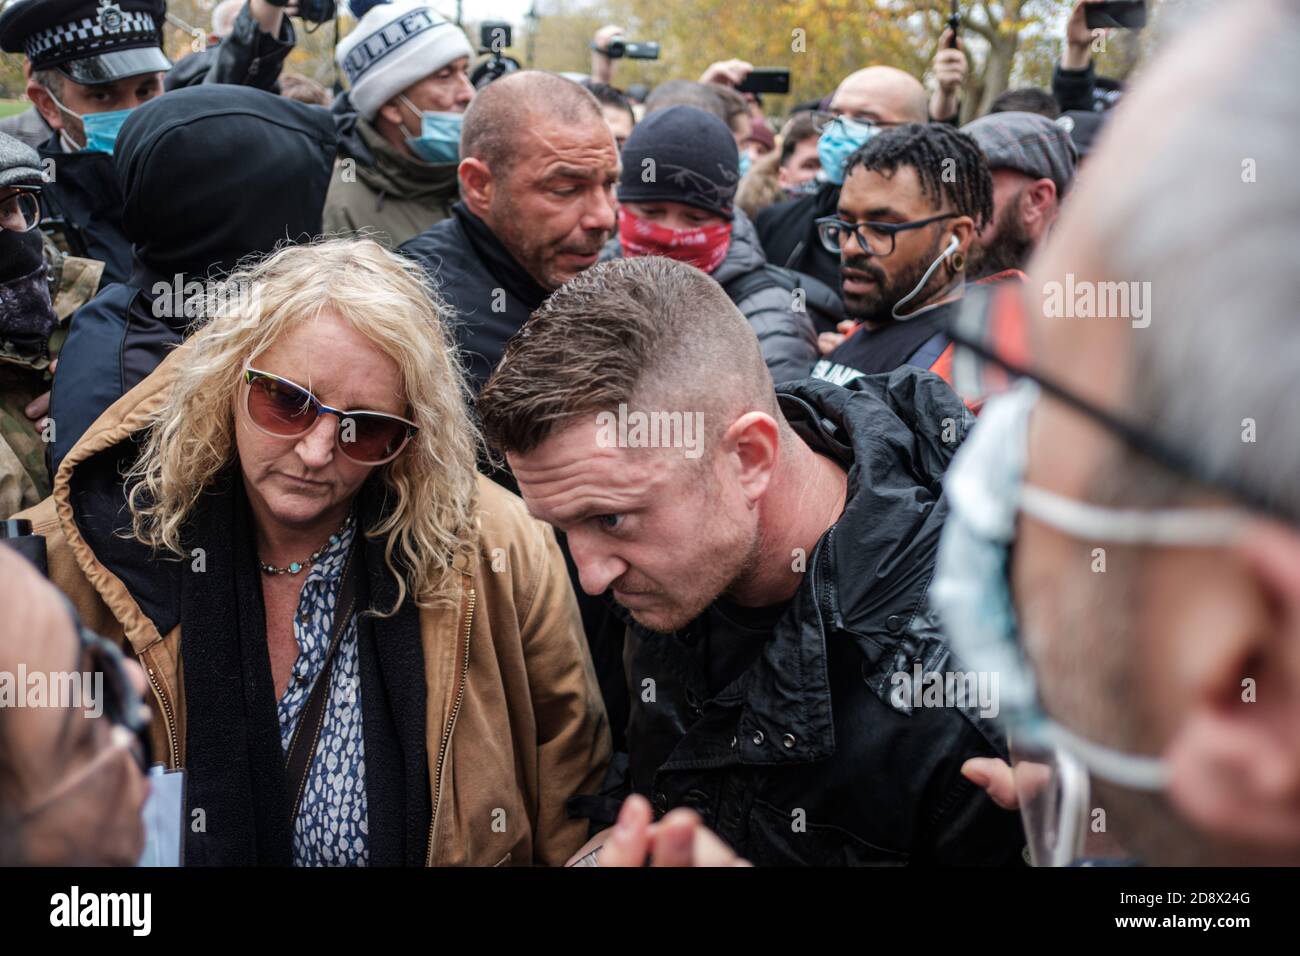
[(390, 112), (476, 185), (963, 229), (44, 104), (1235, 762), (752, 444), (1038, 207)]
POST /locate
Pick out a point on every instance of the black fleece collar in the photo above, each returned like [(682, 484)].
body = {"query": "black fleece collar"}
[(498, 260)]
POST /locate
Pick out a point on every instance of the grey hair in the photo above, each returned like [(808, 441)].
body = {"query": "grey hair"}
[(52, 80), (1220, 356)]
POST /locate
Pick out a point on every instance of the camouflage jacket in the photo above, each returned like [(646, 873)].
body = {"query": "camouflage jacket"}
[(24, 475)]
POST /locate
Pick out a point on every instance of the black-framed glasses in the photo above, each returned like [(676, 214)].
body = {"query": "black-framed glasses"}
[(821, 119), (991, 314), (285, 409), (875, 238), (121, 701), (20, 208)]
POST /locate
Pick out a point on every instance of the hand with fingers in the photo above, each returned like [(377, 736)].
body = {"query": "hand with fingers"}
[(679, 839)]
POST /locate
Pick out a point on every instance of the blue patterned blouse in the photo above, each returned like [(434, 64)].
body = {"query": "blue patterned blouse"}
[(331, 827)]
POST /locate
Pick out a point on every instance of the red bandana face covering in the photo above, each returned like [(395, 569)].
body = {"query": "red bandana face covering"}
[(704, 248)]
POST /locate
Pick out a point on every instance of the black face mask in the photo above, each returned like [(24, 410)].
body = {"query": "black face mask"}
[(27, 317)]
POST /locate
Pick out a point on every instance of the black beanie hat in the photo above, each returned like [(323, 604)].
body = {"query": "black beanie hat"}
[(695, 161)]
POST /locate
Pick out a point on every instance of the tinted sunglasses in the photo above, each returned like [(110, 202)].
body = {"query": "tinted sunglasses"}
[(285, 409)]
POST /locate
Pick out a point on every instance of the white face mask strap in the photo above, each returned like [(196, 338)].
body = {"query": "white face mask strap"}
[(953, 245), (419, 114), (69, 143), (1176, 528)]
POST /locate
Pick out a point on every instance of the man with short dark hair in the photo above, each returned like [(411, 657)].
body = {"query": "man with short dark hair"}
[(771, 551), (537, 178), (913, 200), (617, 110)]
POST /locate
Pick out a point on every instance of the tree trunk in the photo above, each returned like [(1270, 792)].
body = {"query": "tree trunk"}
[(997, 71)]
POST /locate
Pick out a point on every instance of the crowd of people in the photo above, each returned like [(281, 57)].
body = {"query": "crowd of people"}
[(506, 468)]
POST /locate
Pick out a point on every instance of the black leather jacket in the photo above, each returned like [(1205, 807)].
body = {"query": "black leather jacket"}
[(805, 759)]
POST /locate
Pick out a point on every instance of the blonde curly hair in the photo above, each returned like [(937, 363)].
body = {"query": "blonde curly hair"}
[(386, 298)]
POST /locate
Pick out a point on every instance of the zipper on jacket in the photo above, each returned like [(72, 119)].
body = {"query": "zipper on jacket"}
[(451, 723), (168, 718)]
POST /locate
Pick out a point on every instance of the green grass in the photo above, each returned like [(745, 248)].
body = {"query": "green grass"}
[(10, 107)]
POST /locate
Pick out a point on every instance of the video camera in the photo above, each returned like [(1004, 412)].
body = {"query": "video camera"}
[(493, 37), (619, 48)]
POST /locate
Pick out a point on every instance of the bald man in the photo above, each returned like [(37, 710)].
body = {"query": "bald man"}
[(537, 173), (876, 98)]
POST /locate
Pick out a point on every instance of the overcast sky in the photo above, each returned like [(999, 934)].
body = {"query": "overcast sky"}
[(476, 10)]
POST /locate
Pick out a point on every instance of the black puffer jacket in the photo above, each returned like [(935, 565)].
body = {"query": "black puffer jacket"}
[(785, 336), (806, 758)]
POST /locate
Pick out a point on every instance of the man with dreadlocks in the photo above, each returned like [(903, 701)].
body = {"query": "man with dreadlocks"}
[(914, 199)]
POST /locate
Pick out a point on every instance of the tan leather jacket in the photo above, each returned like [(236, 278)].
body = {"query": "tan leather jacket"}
[(515, 722)]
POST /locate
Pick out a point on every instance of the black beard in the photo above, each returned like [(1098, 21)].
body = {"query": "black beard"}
[(877, 307), (1008, 248)]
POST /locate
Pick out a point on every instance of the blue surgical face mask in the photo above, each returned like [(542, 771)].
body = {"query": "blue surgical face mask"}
[(101, 129), (839, 140), (745, 163), (972, 589), (439, 139)]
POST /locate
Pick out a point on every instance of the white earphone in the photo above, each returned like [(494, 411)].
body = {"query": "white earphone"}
[(953, 245)]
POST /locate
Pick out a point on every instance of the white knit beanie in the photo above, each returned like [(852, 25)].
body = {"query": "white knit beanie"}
[(394, 45)]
